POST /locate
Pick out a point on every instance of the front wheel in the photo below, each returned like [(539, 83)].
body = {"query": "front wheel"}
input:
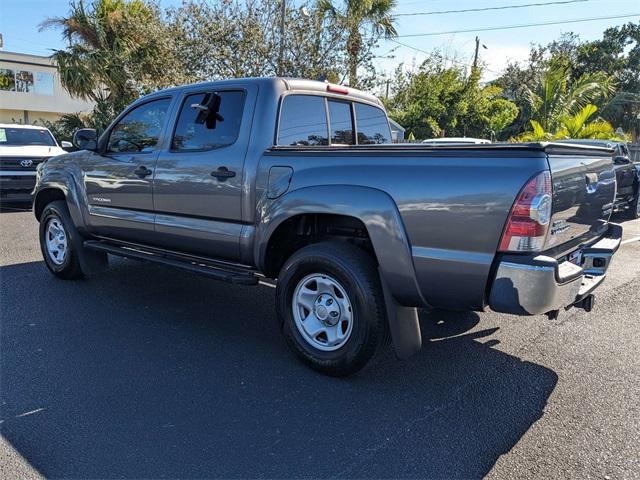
[(59, 241), (331, 305)]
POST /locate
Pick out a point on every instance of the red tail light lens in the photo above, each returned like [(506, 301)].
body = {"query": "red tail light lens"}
[(528, 221), (337, 89)]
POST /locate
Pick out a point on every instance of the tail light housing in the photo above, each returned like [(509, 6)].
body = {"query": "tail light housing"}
[(528, 222)]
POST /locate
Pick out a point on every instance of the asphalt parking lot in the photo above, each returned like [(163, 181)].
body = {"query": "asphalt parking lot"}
[(147, 372)]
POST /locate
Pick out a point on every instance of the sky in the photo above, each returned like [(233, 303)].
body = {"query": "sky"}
[(19, 21)]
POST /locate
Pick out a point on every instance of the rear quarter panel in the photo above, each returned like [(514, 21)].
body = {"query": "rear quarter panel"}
[(453, 206)]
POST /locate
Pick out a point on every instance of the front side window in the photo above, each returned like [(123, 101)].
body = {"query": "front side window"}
[(303, 121), (16, 137), (139, 130), (194, 132), (372, 124), (341, 122)]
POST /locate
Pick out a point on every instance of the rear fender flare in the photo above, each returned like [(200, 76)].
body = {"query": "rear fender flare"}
[(377, 211)]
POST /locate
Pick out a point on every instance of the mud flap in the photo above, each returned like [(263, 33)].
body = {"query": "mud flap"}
[(403, 325), (90, 262)]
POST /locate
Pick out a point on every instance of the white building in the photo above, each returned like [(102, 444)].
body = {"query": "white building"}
[(30, 90)]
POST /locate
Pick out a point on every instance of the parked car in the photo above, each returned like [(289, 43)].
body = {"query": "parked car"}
[(295, 180), (446, 141), (22, 149), (627, 175)]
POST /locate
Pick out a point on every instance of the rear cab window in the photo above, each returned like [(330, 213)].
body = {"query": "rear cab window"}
[(303, 121), (372, 125), (315, 120)]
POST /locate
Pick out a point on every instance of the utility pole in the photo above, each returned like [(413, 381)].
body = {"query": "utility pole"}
[(283, 13), (475, 55)]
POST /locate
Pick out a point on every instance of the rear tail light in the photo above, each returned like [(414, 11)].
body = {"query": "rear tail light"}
[(528, 222)]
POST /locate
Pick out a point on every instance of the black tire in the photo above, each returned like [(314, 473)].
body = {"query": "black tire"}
[(69, 268), (357, 274)]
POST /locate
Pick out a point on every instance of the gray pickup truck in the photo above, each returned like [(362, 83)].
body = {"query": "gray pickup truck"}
[(294, 180)]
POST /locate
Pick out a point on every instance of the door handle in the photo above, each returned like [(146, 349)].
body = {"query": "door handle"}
[(142, 171), (222, 173)]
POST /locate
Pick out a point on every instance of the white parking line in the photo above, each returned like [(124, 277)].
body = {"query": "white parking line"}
[(635, 239)]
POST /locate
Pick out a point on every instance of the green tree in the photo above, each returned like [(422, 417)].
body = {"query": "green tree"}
[(579, 125), (557, 95), (236, 39), (356, 16), (618, 54), (117, 50), (441, 100)]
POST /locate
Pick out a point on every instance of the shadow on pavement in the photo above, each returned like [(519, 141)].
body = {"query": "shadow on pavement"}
[(148, 372), (621, 217)]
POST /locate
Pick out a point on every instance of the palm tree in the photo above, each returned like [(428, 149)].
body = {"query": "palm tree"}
[(117, 49), (579, 126), (556, 96), (572, 126), (357, 15)]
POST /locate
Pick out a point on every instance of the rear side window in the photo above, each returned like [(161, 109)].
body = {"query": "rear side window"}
[(372, 125), (193, 135), (341, 123), (139, 129), (303, 121)]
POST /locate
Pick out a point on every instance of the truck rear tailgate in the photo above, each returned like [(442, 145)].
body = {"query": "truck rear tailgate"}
[(584, 187)]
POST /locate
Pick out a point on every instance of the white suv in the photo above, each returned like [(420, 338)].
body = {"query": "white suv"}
[(22, 148)]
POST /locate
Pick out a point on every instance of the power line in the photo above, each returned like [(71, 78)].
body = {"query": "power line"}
[(485, 9), (432, 54), (524, 25)]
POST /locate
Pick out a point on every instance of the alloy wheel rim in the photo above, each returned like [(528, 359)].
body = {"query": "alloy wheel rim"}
[(56, 241), (322, 312)]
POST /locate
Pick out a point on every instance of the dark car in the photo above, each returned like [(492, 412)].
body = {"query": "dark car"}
[(627, 175)]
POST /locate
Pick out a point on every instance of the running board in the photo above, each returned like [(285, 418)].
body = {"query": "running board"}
[(211, 269)]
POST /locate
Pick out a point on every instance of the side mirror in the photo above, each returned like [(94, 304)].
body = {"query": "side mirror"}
[(65, 144), (86, 139), (620, 160)]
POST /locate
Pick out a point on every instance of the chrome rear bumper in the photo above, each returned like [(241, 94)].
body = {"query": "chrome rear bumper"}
[(527, 285)]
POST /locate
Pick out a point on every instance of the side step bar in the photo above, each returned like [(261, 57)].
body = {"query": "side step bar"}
[(211, 269)]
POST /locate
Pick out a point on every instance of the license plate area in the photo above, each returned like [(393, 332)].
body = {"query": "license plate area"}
[(575, 257)]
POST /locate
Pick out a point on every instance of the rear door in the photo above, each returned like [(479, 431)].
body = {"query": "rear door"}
[(584, 185), (198, 180), (118, 181)]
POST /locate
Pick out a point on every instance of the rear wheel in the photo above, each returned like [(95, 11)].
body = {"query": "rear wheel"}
[(331, 305), (59, 241)]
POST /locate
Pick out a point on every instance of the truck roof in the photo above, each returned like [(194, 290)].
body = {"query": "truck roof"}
[(298, 84)]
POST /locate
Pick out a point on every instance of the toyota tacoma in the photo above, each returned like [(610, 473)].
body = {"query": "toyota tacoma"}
[(297, 182)]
